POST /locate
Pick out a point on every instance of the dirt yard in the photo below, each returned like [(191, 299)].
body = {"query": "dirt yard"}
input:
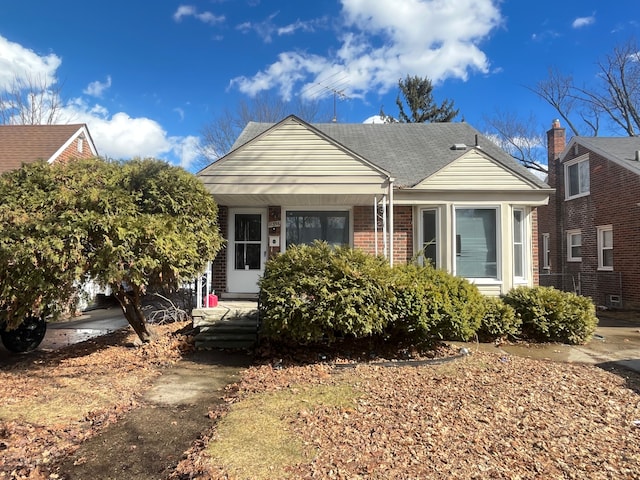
[(482, 416)]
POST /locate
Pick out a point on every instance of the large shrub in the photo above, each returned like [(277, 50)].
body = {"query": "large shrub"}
[(552, 315), (317, 292), (499, 320), (432, 302)]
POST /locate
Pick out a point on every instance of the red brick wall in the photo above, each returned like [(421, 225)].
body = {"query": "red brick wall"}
[(219, 266), (72, 153), (364, 236), (535, 247), (613, 198)]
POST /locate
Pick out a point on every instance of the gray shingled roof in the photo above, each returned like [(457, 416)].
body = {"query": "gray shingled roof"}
[(410, 152), (619, 149), (20, 144)]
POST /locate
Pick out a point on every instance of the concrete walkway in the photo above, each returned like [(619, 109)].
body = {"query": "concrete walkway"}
[(616, 342)]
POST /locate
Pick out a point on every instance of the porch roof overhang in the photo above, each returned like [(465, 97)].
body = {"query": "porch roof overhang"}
[(345, 194)]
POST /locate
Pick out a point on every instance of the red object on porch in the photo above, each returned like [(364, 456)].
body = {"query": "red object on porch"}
[(212, 300)]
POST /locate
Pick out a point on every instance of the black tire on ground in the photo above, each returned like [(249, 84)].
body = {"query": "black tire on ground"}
[(26, 337)]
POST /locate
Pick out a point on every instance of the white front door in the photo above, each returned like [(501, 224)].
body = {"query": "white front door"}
[(247, 249)]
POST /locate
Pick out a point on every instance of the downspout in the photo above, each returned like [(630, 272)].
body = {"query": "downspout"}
[(391, 230)]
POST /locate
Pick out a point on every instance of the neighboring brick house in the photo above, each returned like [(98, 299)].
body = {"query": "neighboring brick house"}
[(391, 189), (21, 144), (590, 232)]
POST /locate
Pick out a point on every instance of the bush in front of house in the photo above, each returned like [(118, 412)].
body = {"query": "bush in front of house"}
[(499, 321), (433, 303), (551, 315), (312, 293)]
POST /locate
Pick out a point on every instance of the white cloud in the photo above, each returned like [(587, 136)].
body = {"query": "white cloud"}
[(382, 41), (191, 11), (583, 21), (21, 64), (121, 136), (118, 135), (97, 88)]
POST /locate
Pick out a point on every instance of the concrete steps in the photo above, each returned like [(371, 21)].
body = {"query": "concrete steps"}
[(230, 325)]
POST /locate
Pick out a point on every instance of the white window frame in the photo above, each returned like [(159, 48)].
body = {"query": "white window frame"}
[(546, 252), (422, 241), (80, 145), (570, 235), (601, 247), (583, 190), (523, 243), (498, 212)]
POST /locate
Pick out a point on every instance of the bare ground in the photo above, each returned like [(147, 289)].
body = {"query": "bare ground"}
[(483, 416)]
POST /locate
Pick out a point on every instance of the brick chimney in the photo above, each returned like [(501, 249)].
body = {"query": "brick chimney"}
[(556, 141)]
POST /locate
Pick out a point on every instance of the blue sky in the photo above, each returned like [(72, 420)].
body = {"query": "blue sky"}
[(147, 76)]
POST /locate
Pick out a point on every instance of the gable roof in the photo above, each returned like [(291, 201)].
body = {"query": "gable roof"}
[(20, 144), (620, 150), (410, 152)]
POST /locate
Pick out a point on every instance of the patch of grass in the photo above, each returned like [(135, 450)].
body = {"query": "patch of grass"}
[(254, 439)]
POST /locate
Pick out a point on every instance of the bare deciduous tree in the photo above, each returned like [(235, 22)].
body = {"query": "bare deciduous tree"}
[(524, 140), (31, 101)]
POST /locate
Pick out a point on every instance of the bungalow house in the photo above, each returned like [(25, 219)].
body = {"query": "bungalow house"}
[(590, 231), (391, 189), (20, 144)]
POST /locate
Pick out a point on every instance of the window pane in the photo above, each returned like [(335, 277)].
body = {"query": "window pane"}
[(247, 256), (607, 238), (607, 258), (583, 168), (429, 235), (303, 227), (248, 228), (476, 248), (517, 226), (518, 269), (518, 246), (574, 181)]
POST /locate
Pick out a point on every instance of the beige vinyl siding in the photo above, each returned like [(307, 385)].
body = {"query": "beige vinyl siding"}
[(293, 159), (474, 171)]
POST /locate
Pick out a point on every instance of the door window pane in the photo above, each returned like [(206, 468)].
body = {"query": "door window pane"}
[(476, 243), (248, 241)]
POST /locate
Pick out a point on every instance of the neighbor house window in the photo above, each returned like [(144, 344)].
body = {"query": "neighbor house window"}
[(80, 145), (574, 246), (576, 174), (306, 226), (546, 256), (605, 247), (430, 235), (477, 242), (518, 244)]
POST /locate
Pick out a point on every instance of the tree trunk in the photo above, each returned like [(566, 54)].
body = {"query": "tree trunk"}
[(130, 303)]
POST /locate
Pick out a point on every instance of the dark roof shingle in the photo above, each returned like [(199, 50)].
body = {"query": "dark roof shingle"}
[(20, 144)]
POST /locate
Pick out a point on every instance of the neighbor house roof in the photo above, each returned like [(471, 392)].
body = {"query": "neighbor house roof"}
[(20, 144), (621, 150), (411, 152)]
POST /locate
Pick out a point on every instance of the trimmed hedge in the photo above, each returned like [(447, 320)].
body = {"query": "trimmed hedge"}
[(316, 292), (499, 320), (313, 293), (551, 315), (432, 302)]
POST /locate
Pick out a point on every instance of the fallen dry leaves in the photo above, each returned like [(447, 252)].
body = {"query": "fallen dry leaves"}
[(53, 401), (484, 416)]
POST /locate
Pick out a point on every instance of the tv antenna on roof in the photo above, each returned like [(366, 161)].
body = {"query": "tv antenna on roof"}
[(335, 88)]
